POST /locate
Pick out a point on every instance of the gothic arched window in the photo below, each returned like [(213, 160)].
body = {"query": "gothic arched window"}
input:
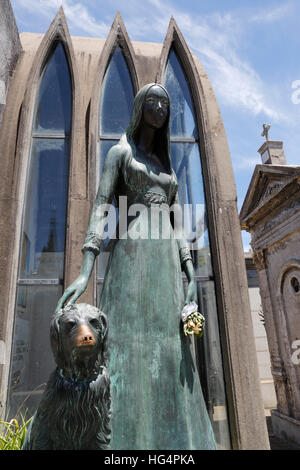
[(185, 155), (115, 111), (187, 165), (41, 265)]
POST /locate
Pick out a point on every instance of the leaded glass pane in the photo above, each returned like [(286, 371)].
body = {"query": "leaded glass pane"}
[(187, 166), (41, 266), (54, 104), (115, 112), (212, 377), (117, 96), (182, 121), (211, 369), (43, 239), (32, 358)]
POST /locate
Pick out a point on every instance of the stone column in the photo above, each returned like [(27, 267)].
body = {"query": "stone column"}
[(277, 364)]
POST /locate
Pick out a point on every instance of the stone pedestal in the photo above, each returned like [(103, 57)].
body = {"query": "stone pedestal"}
[(271, 213), (272, 152)]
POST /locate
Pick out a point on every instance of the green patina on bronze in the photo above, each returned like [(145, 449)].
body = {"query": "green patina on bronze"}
[(156, 395), (74, 411)]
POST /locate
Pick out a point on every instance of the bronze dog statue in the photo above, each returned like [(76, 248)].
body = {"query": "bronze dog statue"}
[(74, 412)]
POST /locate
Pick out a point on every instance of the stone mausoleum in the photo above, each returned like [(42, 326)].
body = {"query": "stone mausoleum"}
[(64, 102), (271, 214)]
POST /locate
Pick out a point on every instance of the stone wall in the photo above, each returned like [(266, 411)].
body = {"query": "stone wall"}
[(261, 342), (10, 49)]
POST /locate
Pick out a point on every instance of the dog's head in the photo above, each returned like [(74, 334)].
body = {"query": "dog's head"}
[(78, 336)]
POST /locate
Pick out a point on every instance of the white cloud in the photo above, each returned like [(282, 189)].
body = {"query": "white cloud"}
[(235, 82), (246, 163), (214, 38), (77, 14), (270, 15)]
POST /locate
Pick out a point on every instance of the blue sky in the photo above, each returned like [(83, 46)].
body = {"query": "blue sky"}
[(249, 48)]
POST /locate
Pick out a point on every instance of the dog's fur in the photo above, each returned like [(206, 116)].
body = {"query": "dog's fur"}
[(74, 412)]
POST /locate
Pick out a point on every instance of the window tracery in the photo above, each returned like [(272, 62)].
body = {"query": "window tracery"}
[(41, 266), (116, 101)]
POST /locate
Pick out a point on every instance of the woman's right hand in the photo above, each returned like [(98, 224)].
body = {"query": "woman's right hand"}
[(76, 289)]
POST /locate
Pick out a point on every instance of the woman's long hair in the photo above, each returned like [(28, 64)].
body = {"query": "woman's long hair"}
[(161, 146)]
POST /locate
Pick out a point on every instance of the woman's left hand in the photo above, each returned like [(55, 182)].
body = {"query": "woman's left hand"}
[(191, 295)]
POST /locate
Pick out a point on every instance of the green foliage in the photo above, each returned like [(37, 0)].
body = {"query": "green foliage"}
[(12, 434)]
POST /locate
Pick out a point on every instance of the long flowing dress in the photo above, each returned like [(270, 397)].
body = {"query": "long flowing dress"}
[(157, 401)]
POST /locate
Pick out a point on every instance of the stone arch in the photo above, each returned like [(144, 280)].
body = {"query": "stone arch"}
[(191, 65), (117, 36), (288, 301), (225, 239), (57, 32), (285, 286)]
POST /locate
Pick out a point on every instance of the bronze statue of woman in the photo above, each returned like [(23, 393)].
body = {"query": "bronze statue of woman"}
[(157, 401)]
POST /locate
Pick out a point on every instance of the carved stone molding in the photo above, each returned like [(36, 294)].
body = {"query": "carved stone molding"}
[(259, 260), (278, 369), (278, 247)]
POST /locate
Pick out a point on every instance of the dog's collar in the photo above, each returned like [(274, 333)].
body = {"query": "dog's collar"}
[(78, 384)]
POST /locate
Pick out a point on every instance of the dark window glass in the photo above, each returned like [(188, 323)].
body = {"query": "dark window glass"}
[(41, 266), (43, 244), (211, 370), (117, 96), (187, 165), (115, 112), (182, 122), (53, 108), (32, 359)]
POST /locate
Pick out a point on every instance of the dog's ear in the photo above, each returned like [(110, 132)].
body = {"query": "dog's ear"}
[(54, 336), (104, 324)]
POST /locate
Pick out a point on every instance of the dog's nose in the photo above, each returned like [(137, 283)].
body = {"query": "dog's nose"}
[(85, 336)]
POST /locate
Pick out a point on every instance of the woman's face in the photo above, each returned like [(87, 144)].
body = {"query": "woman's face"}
[(156, 107)]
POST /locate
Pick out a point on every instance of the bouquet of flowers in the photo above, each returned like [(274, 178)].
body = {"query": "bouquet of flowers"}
[(193, 321)]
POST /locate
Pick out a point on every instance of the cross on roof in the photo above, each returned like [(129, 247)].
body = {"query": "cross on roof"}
[(265, 132)]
